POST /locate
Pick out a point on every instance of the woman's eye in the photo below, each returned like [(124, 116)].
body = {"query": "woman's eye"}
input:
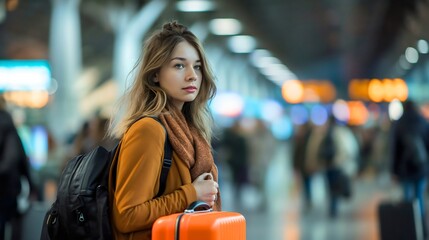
[(198, 67), (179, 65)]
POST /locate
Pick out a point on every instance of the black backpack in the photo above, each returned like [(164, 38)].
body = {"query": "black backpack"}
[(81, 210)]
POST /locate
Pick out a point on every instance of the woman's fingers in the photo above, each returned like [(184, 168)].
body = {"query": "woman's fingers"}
[(204, 176), (210, 199), (207, 188), (209, 176)]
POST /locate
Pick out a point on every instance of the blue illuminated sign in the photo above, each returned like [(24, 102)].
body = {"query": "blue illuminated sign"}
[(24, 75)]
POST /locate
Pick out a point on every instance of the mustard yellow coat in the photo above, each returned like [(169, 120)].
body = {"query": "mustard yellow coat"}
[(133, 209)]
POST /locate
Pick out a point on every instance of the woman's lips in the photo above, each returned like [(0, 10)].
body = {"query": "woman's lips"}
[(190, 89)]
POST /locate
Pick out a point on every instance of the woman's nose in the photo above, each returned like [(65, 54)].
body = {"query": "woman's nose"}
[(191, 75)]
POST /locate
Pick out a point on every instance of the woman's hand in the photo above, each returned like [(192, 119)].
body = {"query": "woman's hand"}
[(206, 188)]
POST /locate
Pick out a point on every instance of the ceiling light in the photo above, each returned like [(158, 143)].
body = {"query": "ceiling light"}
[(195, 6), (257, 55), (242, 44), (275, 69), (225, 26), (422, 46), (395, 110), (411, 55), (265, 62)]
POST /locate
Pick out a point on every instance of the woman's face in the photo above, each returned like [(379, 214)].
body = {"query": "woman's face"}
[(181, 76)]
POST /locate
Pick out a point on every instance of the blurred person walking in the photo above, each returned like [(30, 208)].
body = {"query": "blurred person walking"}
[(14, 165), (49, 173), (410, 144), (174, 83), (92, 133), (82, 142), (262, 148), (236, 149), (299, 157), (98, 127), (337, 154)]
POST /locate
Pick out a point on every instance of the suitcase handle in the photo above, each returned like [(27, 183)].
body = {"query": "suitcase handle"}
[(198, 206)]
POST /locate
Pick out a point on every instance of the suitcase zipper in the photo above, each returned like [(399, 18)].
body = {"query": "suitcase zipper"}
[(177, 228)]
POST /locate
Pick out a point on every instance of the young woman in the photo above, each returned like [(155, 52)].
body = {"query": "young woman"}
[(174, 84)]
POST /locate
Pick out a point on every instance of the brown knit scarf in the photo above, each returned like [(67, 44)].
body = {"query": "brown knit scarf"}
[(190, 146)]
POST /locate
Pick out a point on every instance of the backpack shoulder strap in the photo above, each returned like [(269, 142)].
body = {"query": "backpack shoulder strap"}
[(166, 163)]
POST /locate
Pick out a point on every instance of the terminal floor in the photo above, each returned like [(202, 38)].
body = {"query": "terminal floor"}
[(284, 218)]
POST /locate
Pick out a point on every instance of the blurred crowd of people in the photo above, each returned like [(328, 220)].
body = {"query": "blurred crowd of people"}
[(331, 149), (343, 153), (246, 149), (339, 152)]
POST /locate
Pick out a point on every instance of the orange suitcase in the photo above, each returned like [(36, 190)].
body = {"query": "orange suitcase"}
[(197, 225)]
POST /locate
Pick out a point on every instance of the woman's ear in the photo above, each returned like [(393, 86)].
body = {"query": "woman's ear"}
[(155, 79)]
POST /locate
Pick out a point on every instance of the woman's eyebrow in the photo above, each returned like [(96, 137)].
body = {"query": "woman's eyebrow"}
[(183, 59)]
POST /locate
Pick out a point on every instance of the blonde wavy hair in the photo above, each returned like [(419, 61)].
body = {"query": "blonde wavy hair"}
[(146, 98)]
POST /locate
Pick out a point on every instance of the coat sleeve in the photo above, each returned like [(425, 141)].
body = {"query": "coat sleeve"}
[(137, 180)]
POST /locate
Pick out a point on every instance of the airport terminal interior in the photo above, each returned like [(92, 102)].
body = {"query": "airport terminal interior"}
[(285, 72)]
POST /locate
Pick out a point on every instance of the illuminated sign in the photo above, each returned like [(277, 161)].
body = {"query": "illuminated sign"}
[(378, 90), (297, 91), (24, 75)]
